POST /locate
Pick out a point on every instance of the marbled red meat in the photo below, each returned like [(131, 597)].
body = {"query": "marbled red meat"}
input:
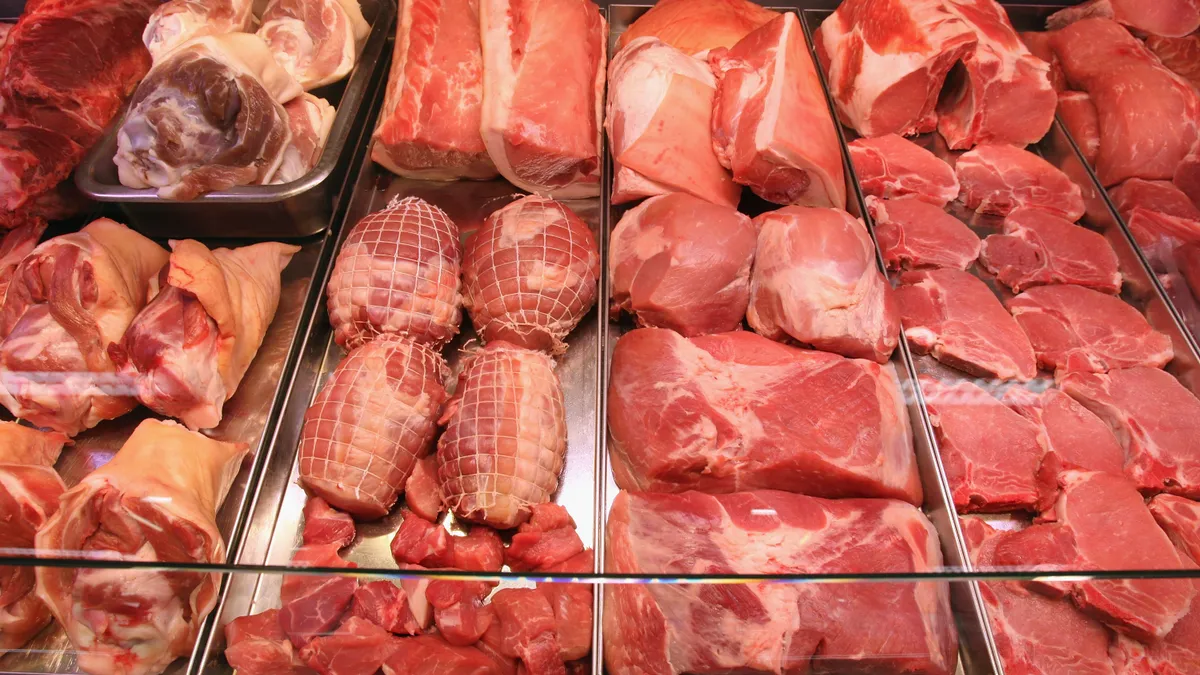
[(257, 645), (313, 605), (913, 233), (892, 166), (432, 655), (324, 525), (15, 245), (421, 542), (999, 178), (385, 604), (528, 630), (1038, 249), (1079, 438), (1079, 115), (357, 647)]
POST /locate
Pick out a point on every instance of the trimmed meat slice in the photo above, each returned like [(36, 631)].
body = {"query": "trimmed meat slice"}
[(893, 166), (357, 647), (999, 178), (1038, 248), (914, 233), (1076, 329), (1079, 114), (1157, 210), (1079, 438), (955, 317)]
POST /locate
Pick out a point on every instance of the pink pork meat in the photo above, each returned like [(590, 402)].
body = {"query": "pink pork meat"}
[(1079, 438), (1181, 54), (1172, 18), (914, 234), (1039, 249), (892, 166), (999, 178), (1079, 115), (1179, 651)]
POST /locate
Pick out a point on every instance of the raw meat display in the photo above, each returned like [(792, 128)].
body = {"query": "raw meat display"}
[(1180, 519), (679, 262), (177, 21), (65, 69), (1157, 210), (1038, 248), (429, 126), (155, 500), (1079, 438), (730, 412), (29, 493), (1035, 634), (660, 126), (1156, 419), (1079, 115), (892, 166), (955, 317), (315, 41), (696, 26), (18, 243), (505, 437), (57, 370), (771, 125), (886, 61), (188, 350), (913, 233), (1181, 55), (530, 274), (1076, 329), (1172, 18), (370, 424), (1039, 45), (1004, 94), (1090, 509), (397, 274), (310, 119), (999, 178), (243, 145), (993, 457), (543, 94), (773, 628), (1179, 650), (815, 280)]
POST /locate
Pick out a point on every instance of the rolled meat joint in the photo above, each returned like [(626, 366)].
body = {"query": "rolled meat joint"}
[(315, 41), (155, 500), (16, 244), (209, 117), (397, 274), (530, 274), (69, 299), (310, 118), (679, 262), (29, 493), (178, 21), (189, 348), (505, 437), (371, 423)]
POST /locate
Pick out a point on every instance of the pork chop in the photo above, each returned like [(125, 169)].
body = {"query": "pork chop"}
[(997, 179), (1079, 438), (893, 166), (913, 234), (1038, 248)]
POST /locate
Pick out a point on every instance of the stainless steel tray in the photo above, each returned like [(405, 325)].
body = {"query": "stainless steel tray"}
[(297, 209)]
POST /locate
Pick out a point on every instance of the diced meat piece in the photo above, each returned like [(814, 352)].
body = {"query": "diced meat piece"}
[(543, 94), (325, 525), (572, 604), (421, 492), (1173, 18), (421, 542), (506, 436), (480, 551), (1181, 54), (1091, 509), (1039, 45), (815, 280), (432, 655), (458, 610), (316, 41), (531, 273), (534, 550), (1156, 419), (528, 630), (955, 317), (659, 123), (547, 517), (696, 26), (914, 234), (429, 126), (1038, 248), (678, 408), (892, 166), (257, 645), (358, 647), (313, 605), (993, 457), (415, 588), (1180, 519), (773, 628), (1004, 94), (679, 262), (886, 61), (1076, 329), (1079, 438), (1082, 122), (580, 563), (771, 125), (385, 604), (1035, 635), (999, 178)]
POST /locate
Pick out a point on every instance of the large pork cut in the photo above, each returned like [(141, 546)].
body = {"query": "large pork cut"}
[(999, 178), (679, 262), (815, 280), (543, 93), (397, 274), (886, 61), (188, 350), (697, 26), (1181, 55), (771, 125), (1038, 249), (505, 438), (1004, 94), (892, 166), (669, 629), (1172, 18), (371, 423), (913, 233), (208, 117), (735, 411), (177, 21), (530, 274), (310, 119), (955, 317), (1078, 438), (659, 123), (429, 126), (70, 298), (156, 500), (14, 246), (315, 41)]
